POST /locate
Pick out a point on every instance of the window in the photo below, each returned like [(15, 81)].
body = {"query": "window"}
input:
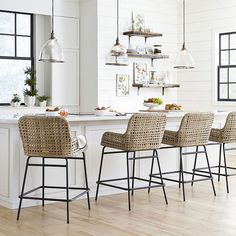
[(16, 52), (227, 67)]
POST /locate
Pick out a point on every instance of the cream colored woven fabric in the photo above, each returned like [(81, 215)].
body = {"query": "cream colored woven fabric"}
[(228, 133), (48, 137), (194, 130), (144, 132)]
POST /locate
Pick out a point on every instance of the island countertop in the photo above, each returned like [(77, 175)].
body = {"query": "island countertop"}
[(13, 119)]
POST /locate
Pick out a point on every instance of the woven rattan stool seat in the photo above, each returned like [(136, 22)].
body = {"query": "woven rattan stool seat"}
[(48, 137), (144, 132), (228, 133), (194, 131)]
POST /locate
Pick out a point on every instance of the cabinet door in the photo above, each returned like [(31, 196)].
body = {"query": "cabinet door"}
[(4, 160)]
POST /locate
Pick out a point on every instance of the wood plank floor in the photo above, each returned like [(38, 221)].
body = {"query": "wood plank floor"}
[(202, 214)]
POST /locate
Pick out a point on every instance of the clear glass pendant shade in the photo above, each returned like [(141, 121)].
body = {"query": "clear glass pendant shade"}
[(117, 56), (184, 60), (51, 52)]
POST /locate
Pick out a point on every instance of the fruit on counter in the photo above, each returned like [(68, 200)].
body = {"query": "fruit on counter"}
[(173, 107), (53, 110), (104, 109), (154, 100), (63, 113)]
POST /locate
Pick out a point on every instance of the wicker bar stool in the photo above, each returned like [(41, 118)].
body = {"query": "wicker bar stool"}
[(49, 138), (144, 132), (194, 131), (226, 135)]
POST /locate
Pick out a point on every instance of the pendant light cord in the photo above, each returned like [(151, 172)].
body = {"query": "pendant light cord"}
[(117, 23), (52, 35), (184, 25)]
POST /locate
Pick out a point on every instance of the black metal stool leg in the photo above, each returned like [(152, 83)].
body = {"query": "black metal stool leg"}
[(209, 168), (133, 174), (67, 192), (23, 188), (226, 172), (151, 172), (99, 175), (194, 166), (162, 182), (86, 180), (180, 176), (43, 180), (182, 172), (128, 178), (220, 153)]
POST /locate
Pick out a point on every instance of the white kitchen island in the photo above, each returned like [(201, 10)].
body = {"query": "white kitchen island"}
[(12, 158)]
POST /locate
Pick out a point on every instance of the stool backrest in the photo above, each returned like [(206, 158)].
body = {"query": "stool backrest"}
[(45, 136), (195, 129), (229, 130), (145, 131)]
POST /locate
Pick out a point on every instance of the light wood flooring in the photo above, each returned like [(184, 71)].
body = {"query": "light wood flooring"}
[(201, 215)]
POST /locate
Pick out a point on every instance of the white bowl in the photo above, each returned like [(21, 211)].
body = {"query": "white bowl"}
[(150, 105), (100, 112), (52, 113)]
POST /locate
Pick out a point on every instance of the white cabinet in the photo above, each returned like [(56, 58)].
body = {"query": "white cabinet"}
[(4, 160)]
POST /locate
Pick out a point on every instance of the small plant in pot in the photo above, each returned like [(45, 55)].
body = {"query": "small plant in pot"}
[(15, 101), (42, 100), (30, 92)]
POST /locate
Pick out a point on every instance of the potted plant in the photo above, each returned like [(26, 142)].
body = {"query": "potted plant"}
[(15, 101), (30, 92), (42, 100)]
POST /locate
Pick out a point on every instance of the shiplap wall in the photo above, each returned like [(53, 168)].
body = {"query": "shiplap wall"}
[(161, 16), (205, 19)]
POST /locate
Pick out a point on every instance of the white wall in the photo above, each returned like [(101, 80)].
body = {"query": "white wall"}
[(161, 15), (205, 18)]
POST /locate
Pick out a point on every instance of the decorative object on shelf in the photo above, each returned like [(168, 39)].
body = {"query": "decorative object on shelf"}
[(30, 92), (139, 23), (117, 56), (140, 49), (140, 73), (184, 59), (166, 77), (153, 76), (122, 85), (42, 100), (149, 50), (15, 101), (156, 49), (51, 50)]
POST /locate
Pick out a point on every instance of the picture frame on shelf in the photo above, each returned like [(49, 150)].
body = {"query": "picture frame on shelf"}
[(122, 85), (140, 73)]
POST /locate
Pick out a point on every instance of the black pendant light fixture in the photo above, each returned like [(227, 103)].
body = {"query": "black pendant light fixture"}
[(51, 50), (184, 59), (117, 56)]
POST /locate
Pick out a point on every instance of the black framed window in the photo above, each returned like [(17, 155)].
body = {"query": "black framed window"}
[(16, 52), (227, 67)]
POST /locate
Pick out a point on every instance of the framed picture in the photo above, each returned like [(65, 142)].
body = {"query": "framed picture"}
[(140, 73), (122, 85)]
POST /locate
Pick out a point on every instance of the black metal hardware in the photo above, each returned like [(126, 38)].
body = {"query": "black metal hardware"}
[(130, 189), (24, 195), (182, 172)]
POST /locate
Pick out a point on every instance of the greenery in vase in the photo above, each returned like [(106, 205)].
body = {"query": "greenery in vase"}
[(30, 82), (42, 98), (16, 98)]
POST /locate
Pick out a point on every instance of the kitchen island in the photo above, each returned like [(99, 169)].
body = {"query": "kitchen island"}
[(12, 157)]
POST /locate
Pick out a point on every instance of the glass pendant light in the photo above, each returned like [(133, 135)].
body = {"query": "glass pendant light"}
[(184, 60), (117, 56), (51, 50)]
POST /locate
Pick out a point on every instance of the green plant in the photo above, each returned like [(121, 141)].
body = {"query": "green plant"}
[(30, 82), (42, 98), (15, 98)]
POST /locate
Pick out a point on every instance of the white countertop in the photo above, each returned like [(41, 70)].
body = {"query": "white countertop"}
[(13, 119)]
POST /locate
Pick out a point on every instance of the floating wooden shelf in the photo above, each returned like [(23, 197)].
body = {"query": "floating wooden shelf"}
[(142, 34), (164, 86), (150, 56)]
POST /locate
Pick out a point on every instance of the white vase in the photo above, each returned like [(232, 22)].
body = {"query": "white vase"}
[(15, 104), (29, 101), (43, 104)]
